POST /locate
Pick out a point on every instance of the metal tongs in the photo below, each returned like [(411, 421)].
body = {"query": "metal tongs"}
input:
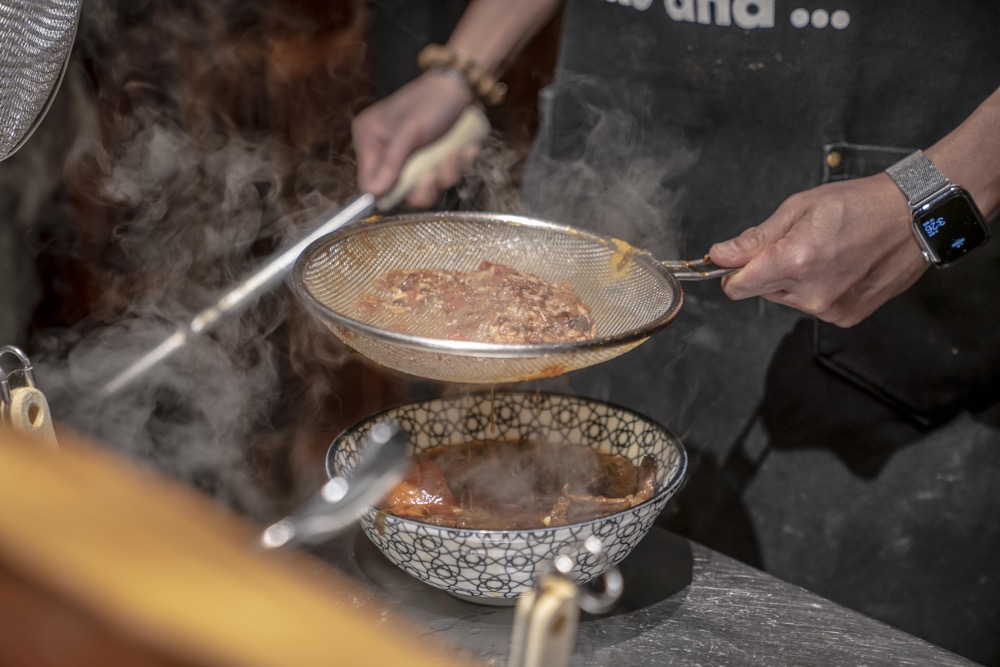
[(341, 501)]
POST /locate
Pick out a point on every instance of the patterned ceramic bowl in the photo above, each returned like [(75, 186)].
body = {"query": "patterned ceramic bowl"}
[(496, 566)]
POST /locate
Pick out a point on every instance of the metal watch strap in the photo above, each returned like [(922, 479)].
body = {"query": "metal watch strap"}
[(917, 177)]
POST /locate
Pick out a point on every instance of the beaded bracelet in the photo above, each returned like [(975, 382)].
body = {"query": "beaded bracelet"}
[(483, 85)]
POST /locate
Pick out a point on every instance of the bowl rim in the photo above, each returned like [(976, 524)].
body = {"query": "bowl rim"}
[(671, 486)]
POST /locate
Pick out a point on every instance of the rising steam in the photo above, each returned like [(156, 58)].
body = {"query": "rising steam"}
[(189, 141), (170, 152)]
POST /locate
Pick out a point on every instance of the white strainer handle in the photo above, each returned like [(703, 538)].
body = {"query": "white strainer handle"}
[(470, 129)]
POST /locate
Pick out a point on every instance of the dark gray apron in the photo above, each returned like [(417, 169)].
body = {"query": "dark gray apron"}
[(855, 462)]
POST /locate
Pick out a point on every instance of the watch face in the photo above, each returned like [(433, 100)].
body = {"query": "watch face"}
[(950, 225)]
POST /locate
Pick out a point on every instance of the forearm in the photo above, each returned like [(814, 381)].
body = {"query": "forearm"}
[(490, 34), (493, 32), (970, 155)]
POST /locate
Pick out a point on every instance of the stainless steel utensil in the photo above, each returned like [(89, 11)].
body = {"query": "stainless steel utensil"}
[(631, 294), (341, 501), (471, 127), (36, 39)]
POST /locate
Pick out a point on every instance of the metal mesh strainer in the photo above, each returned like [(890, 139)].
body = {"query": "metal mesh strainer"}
[(630, 293), (36, 37)]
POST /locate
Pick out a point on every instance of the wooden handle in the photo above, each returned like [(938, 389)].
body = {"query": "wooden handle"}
[(470, 129), (30, 415), (155, 569)]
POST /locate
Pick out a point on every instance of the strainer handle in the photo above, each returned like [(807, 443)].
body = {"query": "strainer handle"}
[(470, 129), (699, 269)]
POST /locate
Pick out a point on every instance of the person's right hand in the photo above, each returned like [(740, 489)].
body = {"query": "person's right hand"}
[(837, 251), (387, 132)]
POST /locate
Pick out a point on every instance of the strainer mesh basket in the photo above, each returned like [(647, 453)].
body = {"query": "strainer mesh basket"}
[(630, 293), (36, 37)]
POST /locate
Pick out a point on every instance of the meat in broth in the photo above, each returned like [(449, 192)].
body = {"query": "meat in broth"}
[(518, 485)]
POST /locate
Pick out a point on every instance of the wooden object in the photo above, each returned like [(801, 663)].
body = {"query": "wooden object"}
[(30, 415), (103, 563)]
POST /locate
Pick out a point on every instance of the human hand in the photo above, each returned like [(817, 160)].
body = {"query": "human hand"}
[(389, 131), (837, 251)]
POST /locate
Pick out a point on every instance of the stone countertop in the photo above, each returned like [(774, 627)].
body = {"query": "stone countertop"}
[(684, 604)]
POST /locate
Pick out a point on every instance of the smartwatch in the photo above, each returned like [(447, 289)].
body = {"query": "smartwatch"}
[(947, 223)]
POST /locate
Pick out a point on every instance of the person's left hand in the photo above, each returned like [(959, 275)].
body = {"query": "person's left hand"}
[(837, 251)]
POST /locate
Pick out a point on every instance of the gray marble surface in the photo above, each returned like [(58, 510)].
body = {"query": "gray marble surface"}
[(683, 604)]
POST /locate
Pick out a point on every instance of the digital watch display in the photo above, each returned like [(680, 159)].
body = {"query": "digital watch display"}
[(947, 223), (950, 226)]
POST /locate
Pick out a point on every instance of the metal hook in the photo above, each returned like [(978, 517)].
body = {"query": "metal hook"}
[(26, 371), (696, 269), (340, 501), (590, 600)]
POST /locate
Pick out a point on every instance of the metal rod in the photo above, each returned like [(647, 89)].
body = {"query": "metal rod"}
[(698, 269), (238, 297), (341, 501)]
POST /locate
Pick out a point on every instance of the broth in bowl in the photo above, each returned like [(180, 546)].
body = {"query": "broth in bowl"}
[(518, 485)]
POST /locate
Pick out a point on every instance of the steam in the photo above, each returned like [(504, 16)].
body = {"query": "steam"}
[(175, 181), (618, 179), (615, 178)]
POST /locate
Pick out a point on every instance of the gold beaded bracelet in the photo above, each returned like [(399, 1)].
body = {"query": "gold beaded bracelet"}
[(483, 85)]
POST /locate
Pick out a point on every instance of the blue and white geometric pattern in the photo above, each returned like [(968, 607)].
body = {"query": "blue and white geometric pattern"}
[(495, 565)]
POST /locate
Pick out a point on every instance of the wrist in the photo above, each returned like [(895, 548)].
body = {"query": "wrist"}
[(978, 179), (449, 87), (480, 81)]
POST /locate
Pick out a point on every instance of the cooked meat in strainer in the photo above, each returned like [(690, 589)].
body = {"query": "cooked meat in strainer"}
[(494, 304)]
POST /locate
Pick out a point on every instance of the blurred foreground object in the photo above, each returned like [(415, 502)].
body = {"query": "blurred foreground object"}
[(545, 624), (105, 564), (36, 39), (547, 617)]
